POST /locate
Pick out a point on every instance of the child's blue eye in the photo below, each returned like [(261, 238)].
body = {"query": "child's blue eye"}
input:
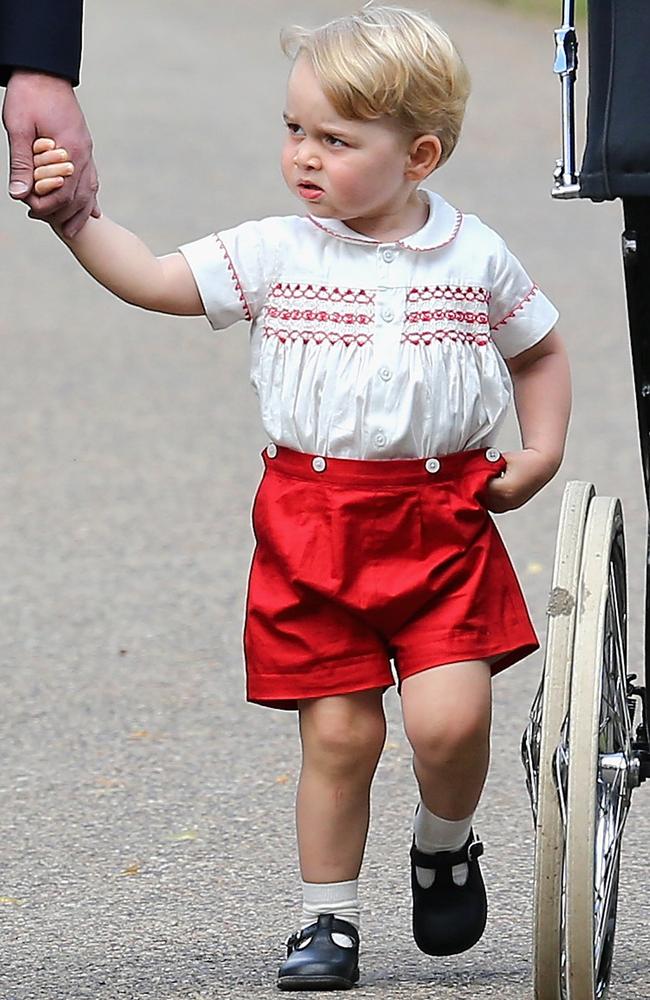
[(294, 128), (333, 140)]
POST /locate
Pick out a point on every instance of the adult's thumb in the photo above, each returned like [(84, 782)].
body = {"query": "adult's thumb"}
[(21, 167)]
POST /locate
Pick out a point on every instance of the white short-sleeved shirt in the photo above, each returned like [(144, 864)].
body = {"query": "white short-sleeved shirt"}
[(362, 349)]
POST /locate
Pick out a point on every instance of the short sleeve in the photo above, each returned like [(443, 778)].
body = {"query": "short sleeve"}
[(520, 314), (232, 271)]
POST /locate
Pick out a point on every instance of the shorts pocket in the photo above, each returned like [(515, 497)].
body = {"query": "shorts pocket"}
[(492, 470)]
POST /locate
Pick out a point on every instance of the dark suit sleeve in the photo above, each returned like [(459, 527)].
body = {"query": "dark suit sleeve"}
[(42, 35)]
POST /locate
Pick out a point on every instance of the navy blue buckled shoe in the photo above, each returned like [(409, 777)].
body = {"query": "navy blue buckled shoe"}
[(449, 918), (316, 962)]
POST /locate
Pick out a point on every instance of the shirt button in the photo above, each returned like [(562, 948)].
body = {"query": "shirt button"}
[(385, 373), (388, 255), (380, 440), (493, 454), (271, 450), (432, 465), (387, 314), (318, 464)]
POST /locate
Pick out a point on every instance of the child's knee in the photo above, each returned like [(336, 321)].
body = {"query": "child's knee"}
[(456, 736), (346, 733)]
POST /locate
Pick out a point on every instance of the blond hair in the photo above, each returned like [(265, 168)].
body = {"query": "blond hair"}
[(390, 61)]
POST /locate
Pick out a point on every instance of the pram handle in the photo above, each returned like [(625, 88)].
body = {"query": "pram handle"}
[(566, 183)]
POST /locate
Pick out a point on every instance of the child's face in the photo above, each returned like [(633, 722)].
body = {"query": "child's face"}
[(342, 169)]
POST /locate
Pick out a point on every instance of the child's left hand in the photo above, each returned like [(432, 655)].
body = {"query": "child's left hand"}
[(526, 473)]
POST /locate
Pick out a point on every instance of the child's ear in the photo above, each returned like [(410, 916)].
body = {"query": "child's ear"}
[(423, 157)]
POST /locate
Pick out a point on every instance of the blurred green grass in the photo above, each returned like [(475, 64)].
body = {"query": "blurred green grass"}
[(550, 7)]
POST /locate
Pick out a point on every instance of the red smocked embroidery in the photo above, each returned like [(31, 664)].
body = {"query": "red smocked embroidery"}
[(304, 312), (317, 316), (318, 336), (235, 277), (520, 305), (428, 336), (461, 316), (451, 293), (453, 315), (321, 292)]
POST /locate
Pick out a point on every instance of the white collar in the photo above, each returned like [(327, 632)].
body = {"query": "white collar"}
[(441, 227)]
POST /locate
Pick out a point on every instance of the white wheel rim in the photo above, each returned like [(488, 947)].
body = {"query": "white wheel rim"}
[(597, 750), (541, 738)]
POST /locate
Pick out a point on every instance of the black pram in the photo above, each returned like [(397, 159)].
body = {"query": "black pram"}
[(583, 750)]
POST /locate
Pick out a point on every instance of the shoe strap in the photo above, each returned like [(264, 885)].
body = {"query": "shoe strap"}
[(325, 922), (470, 851)]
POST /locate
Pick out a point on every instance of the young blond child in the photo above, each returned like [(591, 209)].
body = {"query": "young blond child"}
[(388, 334)]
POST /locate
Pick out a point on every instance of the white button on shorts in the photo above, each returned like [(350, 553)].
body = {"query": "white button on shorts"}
[(493, 454), (318, 464), (432, 465), (271, 450)]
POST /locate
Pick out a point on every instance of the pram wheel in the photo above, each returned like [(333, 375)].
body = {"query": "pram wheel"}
[(595, 763), (578, 751), (542, 736)]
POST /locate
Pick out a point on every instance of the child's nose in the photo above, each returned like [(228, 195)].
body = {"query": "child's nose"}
[(307, 156)]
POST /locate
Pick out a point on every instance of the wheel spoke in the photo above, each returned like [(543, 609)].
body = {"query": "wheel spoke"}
[(561, 773), (530, 749)]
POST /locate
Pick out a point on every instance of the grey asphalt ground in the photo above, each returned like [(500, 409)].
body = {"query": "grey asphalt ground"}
[(145, 810)]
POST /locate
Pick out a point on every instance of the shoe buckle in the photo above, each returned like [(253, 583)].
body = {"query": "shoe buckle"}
[(291, 942), (474, 850)]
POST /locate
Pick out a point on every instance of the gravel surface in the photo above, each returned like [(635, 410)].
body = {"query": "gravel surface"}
[(145, 809)]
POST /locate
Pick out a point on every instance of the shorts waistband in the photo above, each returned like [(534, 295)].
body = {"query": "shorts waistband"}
[(380, 472)]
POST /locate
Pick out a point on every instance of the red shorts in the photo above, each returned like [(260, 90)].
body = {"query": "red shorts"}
[(358, 563)]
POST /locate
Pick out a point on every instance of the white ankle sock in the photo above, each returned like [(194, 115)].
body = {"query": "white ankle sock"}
[(432, 834), (339, 898)]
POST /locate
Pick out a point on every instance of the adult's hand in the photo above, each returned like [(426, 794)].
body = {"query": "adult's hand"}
[(38, 104)]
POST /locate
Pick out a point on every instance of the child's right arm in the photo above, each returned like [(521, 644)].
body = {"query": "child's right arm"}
[(116, 257)]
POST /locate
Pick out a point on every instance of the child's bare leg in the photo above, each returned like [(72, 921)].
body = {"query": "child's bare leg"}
[(342, 739), (447, 715)]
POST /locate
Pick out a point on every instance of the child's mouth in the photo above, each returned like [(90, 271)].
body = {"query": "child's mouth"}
[(309, 191)]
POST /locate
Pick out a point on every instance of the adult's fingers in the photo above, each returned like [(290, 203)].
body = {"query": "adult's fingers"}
[(48, 206), (21, 132), (20, 163), (69, 212), (87, 198), (41, 105), (73, 216), (76, 223)]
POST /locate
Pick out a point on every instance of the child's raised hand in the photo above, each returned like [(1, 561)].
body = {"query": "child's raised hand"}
[(51, 166)]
